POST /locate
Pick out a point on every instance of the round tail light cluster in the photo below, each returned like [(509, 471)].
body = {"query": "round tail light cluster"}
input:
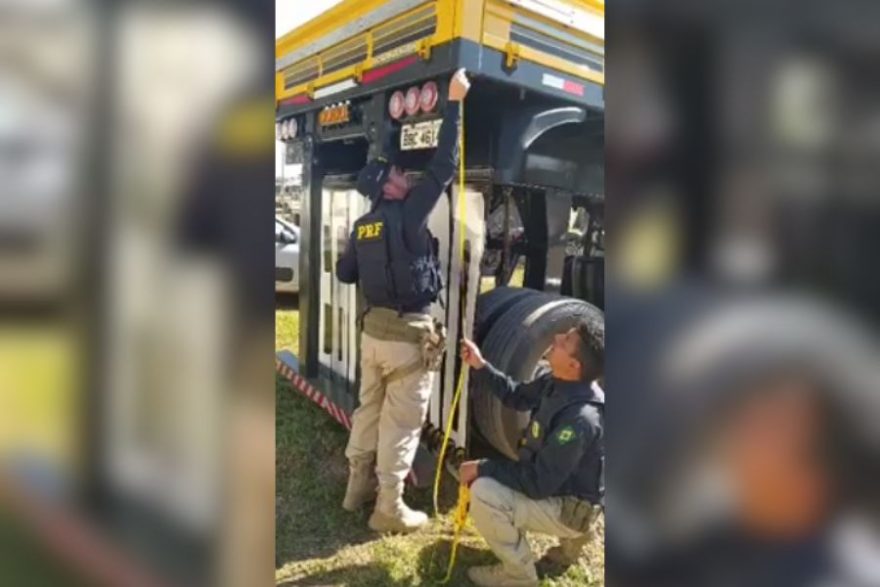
[(415, 100), (286, 129)]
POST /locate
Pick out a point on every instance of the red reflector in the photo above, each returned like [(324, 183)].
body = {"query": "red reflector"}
[(300, 99), (573, 88), (386, 70)]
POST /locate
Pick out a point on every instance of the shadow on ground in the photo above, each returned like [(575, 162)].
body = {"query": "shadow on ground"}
[(431, 570), (311, 474), (434, 561)]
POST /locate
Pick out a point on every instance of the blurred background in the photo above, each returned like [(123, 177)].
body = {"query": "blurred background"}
[(136, 301), (744, 293), (136, 174)]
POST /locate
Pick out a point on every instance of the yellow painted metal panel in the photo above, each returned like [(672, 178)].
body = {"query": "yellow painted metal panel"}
[(484, 21), (496, 28), (505, 11), (447, 12), (552, 62), (498, 19), (469, 19)]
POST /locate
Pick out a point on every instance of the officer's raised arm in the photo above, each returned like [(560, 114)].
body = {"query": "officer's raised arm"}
[(441, 169), (346, 266)]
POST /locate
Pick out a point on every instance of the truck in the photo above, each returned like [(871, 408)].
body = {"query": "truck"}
[(368, 73)]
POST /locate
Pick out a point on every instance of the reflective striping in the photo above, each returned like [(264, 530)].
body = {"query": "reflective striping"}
[(563, 84), (297, 100), (346, 84), (376, 74)]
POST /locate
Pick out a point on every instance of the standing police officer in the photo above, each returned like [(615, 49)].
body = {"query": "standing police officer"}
[(393, 257), (556, 486)]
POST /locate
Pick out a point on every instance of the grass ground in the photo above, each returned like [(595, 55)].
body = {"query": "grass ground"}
[(317, 543)]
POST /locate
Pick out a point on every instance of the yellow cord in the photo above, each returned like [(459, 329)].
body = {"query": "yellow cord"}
[(462, 202), (461, 514)]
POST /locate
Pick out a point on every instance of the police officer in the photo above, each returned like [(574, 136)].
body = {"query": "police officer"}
[(556, 487), (393, 257)]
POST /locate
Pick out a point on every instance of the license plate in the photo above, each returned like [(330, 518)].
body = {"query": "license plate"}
[(421, 135)]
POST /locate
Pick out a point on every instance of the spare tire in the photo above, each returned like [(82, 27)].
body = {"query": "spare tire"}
[(515, 344)]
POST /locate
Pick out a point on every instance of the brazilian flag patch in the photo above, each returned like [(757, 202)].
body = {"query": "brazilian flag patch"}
[(565, 435)]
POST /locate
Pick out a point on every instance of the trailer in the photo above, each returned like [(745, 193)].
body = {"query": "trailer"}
[(368, 72)]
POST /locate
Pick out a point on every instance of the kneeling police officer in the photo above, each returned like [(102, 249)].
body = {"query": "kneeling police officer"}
[(556, 487), (393, 257)]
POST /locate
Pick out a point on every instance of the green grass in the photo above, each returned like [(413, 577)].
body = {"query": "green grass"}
[(287, 328), (318, 543)]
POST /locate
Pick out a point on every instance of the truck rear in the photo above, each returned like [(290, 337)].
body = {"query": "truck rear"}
[(366, 74)]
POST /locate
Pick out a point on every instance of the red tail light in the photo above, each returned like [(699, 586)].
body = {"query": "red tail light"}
[(396, 105), (413, 97), (429, 96)]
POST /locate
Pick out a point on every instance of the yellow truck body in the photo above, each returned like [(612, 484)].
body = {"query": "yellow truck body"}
[(355, 36)]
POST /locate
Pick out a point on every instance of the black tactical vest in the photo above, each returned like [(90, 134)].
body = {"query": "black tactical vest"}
[(392, 274)]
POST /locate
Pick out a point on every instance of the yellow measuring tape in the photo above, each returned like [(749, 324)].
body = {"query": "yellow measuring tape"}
[(461, 514), (463, 491), (462, 202)]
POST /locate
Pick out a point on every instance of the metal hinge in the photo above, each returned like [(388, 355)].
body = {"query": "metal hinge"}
[(424, 49), (511, 55)]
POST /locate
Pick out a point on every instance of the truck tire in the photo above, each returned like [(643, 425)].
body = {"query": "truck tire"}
[(515, 344), (493, 304)]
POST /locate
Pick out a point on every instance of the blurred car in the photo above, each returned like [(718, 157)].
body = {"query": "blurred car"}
[(286, 257)]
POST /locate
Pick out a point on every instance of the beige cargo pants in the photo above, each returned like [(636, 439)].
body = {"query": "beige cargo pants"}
[(502, 516), (390, 417)]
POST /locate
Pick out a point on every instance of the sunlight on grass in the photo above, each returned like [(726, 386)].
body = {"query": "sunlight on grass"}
[(287, 330), (38, 378)]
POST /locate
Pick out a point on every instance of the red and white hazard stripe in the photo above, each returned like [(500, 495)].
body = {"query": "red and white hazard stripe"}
[(304, 387), (563, 84)]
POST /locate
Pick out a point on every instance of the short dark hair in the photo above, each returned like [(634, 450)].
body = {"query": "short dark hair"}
[(591, 350)]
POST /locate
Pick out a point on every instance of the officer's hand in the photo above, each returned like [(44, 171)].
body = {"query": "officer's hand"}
[(468, 472), (470, 354), (459, 86)]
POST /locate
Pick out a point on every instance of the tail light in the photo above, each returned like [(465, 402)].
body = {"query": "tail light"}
[(337, 114), (278, 131), (285, 129), (396, 105), (413, 97), (292, 128), (429, 96)]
